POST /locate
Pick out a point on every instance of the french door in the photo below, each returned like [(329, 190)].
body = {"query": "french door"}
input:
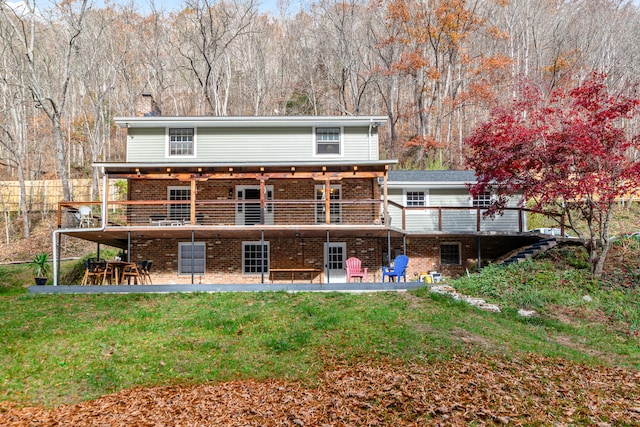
[(335, 209), (249, 213)]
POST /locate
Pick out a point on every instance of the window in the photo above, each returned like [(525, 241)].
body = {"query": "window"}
[(179, 211), (191, 258), (181, 142), (255, 257), (450, 254), (327, 140), (482, 200), (416, 198)]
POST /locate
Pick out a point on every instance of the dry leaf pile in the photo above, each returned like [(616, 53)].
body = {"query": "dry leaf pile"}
[(480, 390)]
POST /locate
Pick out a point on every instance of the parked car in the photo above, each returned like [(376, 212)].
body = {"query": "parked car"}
[(549, 231)]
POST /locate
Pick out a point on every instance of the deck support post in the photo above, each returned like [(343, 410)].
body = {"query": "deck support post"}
[(479, 256), (388, 248), (262, 256), (59, 251), (193, 260), (327, 259)]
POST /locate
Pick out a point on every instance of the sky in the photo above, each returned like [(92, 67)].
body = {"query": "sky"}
[(176, 5), (144, 6)]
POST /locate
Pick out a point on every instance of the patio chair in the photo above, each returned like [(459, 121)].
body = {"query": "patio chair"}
[(399, 269), (85, 217), (354, 269), (94, 270), (130, 271), (109, 273), (143, 268)]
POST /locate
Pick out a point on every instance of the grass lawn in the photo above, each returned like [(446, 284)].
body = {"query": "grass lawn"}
[(68, 348)]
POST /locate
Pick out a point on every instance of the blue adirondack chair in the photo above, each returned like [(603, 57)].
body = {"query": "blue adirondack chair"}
[(399, 269)]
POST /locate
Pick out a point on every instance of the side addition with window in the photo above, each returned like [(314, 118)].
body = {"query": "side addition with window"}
[(482, 200), (416, 199)]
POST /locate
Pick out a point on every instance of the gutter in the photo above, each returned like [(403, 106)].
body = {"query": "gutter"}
[(56, 233)]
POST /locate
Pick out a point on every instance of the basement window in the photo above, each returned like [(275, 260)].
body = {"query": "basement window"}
[(450, 254), (191, 258), (255, 258)]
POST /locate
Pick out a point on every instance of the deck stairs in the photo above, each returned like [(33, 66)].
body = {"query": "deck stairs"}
[(523, 254)]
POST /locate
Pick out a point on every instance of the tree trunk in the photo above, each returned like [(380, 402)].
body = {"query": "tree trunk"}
[(26, 226), (61, 158)]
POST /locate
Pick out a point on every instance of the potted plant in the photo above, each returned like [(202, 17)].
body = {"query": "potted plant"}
[(41, 268)]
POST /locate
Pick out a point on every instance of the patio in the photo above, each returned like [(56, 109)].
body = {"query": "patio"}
[(356, 287)]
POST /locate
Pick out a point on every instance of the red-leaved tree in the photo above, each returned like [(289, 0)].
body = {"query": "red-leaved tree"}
[(571, 153)]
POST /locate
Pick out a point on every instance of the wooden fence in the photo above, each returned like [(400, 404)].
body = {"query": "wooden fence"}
[(44, 195)]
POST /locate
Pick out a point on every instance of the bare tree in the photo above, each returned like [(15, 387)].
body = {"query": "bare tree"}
[(48, 81), (14, 120), (208, 31), (345, 54)]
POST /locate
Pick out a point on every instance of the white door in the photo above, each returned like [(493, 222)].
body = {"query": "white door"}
[(334, 257)]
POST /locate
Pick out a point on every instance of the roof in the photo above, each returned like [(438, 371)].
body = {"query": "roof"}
[(432, 177), (248, 121), (377, 167)]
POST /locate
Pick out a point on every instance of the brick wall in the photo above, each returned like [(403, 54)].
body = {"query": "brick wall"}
[(424, 255), (224, 256), (284, 189)]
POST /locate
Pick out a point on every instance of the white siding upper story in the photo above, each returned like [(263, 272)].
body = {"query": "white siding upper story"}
[(253, 139), (425, 190)]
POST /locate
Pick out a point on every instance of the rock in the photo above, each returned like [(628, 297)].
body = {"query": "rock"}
[(526, 313), (587, 298), (476, 302)]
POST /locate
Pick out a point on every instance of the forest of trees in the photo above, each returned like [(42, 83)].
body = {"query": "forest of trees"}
[(434, 67)]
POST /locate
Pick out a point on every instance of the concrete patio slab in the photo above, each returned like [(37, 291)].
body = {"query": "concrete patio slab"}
[(284, 287)]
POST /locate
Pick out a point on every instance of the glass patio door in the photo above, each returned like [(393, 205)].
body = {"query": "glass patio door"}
[(249, 213), (335, 209)]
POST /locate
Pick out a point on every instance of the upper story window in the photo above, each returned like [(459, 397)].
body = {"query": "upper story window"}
[(416, 199), (327, 141), (482, 200), (181, 142)]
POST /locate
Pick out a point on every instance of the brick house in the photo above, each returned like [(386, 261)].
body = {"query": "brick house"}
[(254, 199)]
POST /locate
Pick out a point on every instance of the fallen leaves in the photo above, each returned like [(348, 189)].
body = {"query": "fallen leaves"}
[(487, 391)]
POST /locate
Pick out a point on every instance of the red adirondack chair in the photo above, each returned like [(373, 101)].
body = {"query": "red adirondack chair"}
[(354, 269)]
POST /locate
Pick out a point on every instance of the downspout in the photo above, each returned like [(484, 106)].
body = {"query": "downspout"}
[(59, 231), (370, 138), (479, 255)]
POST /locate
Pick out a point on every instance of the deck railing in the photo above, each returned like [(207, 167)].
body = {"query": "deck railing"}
[(229, 213), (224, 213)]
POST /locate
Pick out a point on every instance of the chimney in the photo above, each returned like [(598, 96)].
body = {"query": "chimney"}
[(147, 106)]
